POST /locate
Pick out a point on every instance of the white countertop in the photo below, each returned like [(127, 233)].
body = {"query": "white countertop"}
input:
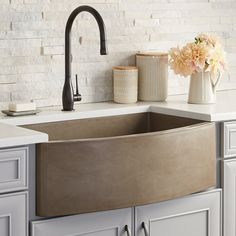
[(10, 135), (223, 110), (15, 136), (81, 111)]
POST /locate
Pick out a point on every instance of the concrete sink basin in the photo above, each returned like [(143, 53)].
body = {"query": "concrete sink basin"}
[(121, 161)]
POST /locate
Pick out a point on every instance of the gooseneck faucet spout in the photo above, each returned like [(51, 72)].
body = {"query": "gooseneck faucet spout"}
[(68, 96)]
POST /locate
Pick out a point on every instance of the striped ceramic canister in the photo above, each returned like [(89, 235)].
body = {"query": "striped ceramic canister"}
[(153, 76), (125, 84)]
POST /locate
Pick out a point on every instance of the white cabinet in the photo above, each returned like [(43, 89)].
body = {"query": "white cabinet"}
[(14, 206), (13, 169), (13, 214), (229, 190), (196, 215), (107, 223)]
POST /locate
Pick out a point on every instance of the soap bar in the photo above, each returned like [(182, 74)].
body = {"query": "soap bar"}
[(19, 107)]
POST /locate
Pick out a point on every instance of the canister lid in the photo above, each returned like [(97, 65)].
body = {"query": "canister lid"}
[(152, 54), (125, 68)]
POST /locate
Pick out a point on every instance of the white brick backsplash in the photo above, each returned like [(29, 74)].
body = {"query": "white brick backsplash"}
[(20, 43), (30, 1), (4, 98), (32, 43), (4, 2), (5, 26), (8, 79), (53, 50)]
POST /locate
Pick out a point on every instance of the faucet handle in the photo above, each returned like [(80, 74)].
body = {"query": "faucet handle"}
[(77, 96)]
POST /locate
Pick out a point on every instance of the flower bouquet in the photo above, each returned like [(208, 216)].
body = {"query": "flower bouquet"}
[(203, 60)]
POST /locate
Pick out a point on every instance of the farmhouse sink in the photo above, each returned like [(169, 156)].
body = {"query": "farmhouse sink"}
[(121, 161)]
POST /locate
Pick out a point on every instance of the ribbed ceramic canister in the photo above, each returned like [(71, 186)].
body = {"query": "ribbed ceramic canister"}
[(153, 76), (125, 84)]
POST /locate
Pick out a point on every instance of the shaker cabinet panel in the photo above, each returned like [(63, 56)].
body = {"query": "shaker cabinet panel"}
[(13, 169), (13, 214), (229, 191), (107, 223), (195, 215), (229, 139)]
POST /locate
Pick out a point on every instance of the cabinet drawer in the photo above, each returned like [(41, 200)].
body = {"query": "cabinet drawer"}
[(13, 169), (229, 139), (13, 214), (107, 223)]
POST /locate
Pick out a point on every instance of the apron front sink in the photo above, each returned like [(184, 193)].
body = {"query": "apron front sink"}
[(115, 162)]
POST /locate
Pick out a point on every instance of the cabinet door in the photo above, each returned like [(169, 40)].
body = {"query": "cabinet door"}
[(229, 191), (13, 214), (107, 223), (195, 215)]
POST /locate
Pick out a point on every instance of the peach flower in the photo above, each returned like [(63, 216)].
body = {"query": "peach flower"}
[(209, 39), (216, 62), (199, 53), (205, 54), (178, 63)]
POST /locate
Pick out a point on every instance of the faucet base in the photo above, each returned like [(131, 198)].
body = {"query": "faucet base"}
[(67, 110)]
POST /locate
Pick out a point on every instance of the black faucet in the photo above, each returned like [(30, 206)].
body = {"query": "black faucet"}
[(68, 96)]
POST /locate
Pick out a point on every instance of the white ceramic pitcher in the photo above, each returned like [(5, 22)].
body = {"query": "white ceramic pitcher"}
[(202, 88)]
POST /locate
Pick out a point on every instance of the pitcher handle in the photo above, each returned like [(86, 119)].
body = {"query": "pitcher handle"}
[(214, 84)]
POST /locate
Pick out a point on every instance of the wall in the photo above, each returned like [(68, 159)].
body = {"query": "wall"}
[(32, 42)]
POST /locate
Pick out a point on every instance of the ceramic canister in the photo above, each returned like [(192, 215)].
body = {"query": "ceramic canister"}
[(125, 84), (153, 76)]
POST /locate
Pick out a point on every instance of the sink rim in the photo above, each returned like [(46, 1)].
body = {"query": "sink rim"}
[(150, 133)]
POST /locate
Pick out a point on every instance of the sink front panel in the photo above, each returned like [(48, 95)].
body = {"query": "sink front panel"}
[(158, 159)]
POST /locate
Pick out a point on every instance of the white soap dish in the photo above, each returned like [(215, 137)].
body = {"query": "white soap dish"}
[(20, 113)]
